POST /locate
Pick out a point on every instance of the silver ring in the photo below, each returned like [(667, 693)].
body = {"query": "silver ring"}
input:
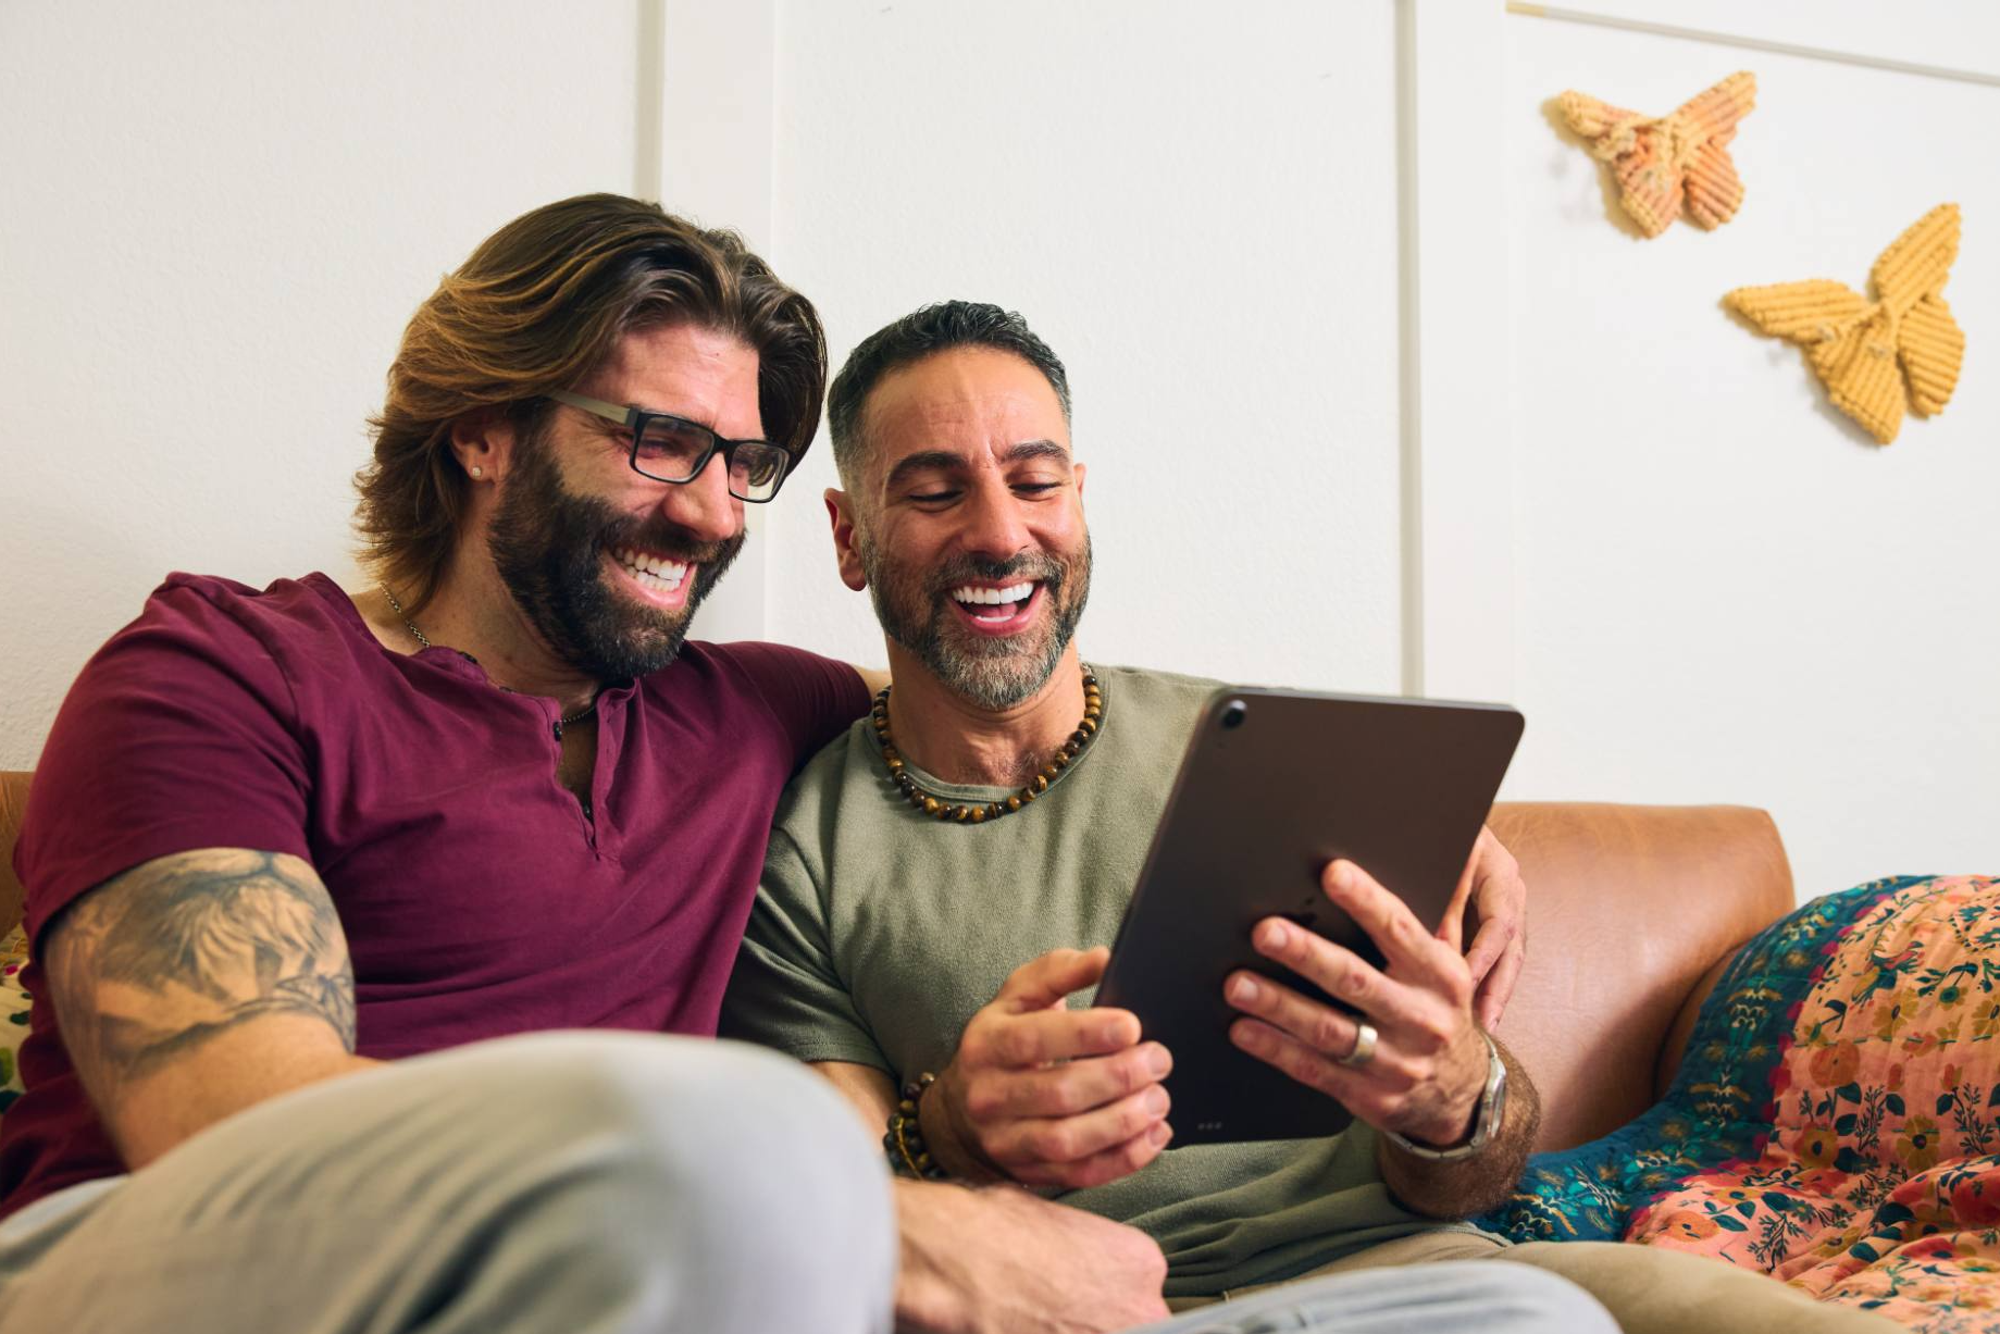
[(1364, 1045)]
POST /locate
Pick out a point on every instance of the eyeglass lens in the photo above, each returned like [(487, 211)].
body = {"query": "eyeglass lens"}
[(672, 451)]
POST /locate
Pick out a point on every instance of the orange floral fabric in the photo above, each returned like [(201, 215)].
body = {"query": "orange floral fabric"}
[(1878, 1181)]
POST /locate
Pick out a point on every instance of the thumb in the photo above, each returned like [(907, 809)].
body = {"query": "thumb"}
[(1043, 982)]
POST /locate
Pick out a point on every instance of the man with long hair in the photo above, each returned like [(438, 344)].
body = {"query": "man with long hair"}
[(308, 869)]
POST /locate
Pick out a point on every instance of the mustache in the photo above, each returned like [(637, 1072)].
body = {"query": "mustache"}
[(667, 539), (1038, 566)]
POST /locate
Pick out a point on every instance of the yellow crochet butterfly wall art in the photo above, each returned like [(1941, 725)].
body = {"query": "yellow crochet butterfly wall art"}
[(1670, 164), (1877, 358)]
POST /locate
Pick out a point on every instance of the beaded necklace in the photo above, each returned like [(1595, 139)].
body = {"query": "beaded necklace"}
[(976, 812)]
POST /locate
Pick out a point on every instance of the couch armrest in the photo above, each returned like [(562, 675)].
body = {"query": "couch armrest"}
[(13, 802), (1629, 909)]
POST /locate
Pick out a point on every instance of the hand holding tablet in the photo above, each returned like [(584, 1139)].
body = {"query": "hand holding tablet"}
[(1277, 790), (1407, 1056)]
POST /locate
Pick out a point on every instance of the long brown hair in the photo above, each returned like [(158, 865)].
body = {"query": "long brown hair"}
[(538, 307)]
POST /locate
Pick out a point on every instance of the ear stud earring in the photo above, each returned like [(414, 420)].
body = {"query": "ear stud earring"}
[(477, 471)]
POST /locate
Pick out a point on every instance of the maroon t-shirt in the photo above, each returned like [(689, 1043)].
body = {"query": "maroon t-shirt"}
[(477, 899)]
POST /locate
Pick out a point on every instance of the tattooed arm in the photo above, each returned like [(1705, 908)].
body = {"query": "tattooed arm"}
[(195, 985)]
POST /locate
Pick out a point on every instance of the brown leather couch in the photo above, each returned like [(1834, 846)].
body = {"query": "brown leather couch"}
[(1633, 911)]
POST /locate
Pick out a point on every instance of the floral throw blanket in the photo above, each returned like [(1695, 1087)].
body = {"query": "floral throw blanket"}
[(1835, 1121), (14, 1006)]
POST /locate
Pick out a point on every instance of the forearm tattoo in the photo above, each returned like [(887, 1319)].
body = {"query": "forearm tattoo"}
[(155, 962)]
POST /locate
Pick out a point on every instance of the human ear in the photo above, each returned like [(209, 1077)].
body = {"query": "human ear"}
[(839, 509), (483, 443)]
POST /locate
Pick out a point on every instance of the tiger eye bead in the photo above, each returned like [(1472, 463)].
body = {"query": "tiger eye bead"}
[(897, 768)]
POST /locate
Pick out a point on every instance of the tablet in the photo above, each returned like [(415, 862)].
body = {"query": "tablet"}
[(1273, 786)]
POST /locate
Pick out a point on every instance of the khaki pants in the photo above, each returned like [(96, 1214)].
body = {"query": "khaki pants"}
[(1647, 1290), (618, 1183)]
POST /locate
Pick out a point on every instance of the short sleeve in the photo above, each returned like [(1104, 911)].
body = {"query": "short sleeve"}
[(786, 992), (813, 697), (177, 735)]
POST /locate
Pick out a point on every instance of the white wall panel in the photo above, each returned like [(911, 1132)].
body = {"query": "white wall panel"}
[(1726, 591), (215, 219), (1595, 490), (1195, 204)]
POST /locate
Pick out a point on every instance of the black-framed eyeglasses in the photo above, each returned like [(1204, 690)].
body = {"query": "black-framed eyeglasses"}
[(673, 449)]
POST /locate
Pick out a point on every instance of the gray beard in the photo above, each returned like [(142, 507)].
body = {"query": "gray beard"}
[(988, 674)]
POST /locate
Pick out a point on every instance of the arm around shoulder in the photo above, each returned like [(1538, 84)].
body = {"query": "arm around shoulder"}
[(198, 984)]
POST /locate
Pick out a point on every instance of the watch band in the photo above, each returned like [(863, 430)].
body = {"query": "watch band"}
[(1486, 1124)]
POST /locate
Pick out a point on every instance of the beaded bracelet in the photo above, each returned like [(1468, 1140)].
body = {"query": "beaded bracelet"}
[(905, 1141)]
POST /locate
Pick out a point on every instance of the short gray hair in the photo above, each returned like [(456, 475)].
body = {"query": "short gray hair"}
[(923, 333)]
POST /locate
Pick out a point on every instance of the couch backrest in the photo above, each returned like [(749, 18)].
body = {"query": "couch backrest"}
[(1631, 912), (13, 801)]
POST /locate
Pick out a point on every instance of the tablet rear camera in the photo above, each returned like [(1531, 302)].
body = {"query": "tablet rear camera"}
[(1233, 713)]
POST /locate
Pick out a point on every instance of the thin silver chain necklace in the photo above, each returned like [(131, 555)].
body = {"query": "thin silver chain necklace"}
[(568, 720)]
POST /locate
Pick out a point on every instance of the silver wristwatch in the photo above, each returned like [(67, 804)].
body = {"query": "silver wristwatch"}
[(1492, 1110)]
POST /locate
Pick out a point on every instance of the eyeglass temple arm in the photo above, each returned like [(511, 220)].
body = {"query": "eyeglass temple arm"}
[(616, 412)]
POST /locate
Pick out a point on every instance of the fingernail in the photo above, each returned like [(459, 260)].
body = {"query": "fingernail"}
[(1156, 1102), (1159, 1061), (1161, 1133), (1243, 991), (1277, 935)]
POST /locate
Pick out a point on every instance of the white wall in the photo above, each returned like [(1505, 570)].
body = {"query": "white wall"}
[(215, 218), (1726, 590), (1520, 453), (1195, 206)]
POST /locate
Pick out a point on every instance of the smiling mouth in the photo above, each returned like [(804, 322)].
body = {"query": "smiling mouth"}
[(996, 607), (654, 574)]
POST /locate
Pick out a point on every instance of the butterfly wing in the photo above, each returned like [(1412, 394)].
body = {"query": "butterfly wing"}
[(1714, 190), (1909, 278), (1932, 348), (1605, 128), (1918, 261), (1717, 111), (1862, 376), (1813, 311), (1649, 190), (1845, 338)]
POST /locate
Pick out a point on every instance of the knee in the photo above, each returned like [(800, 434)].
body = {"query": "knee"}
[(731, 1162), (1493, 1296), (1535, 1299)]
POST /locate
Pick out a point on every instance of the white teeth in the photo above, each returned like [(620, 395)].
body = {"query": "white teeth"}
[(650, 570), (992, 597)]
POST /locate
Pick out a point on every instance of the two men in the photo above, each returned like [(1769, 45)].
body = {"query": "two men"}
[(942, 880), (312, 873)]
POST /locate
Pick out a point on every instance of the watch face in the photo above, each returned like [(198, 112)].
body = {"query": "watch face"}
[(1493, 1108)]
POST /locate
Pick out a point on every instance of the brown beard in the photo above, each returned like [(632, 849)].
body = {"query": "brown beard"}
[(548, 543)]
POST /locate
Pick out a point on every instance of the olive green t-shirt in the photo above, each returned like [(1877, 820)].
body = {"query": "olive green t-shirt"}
[(878, 931)]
